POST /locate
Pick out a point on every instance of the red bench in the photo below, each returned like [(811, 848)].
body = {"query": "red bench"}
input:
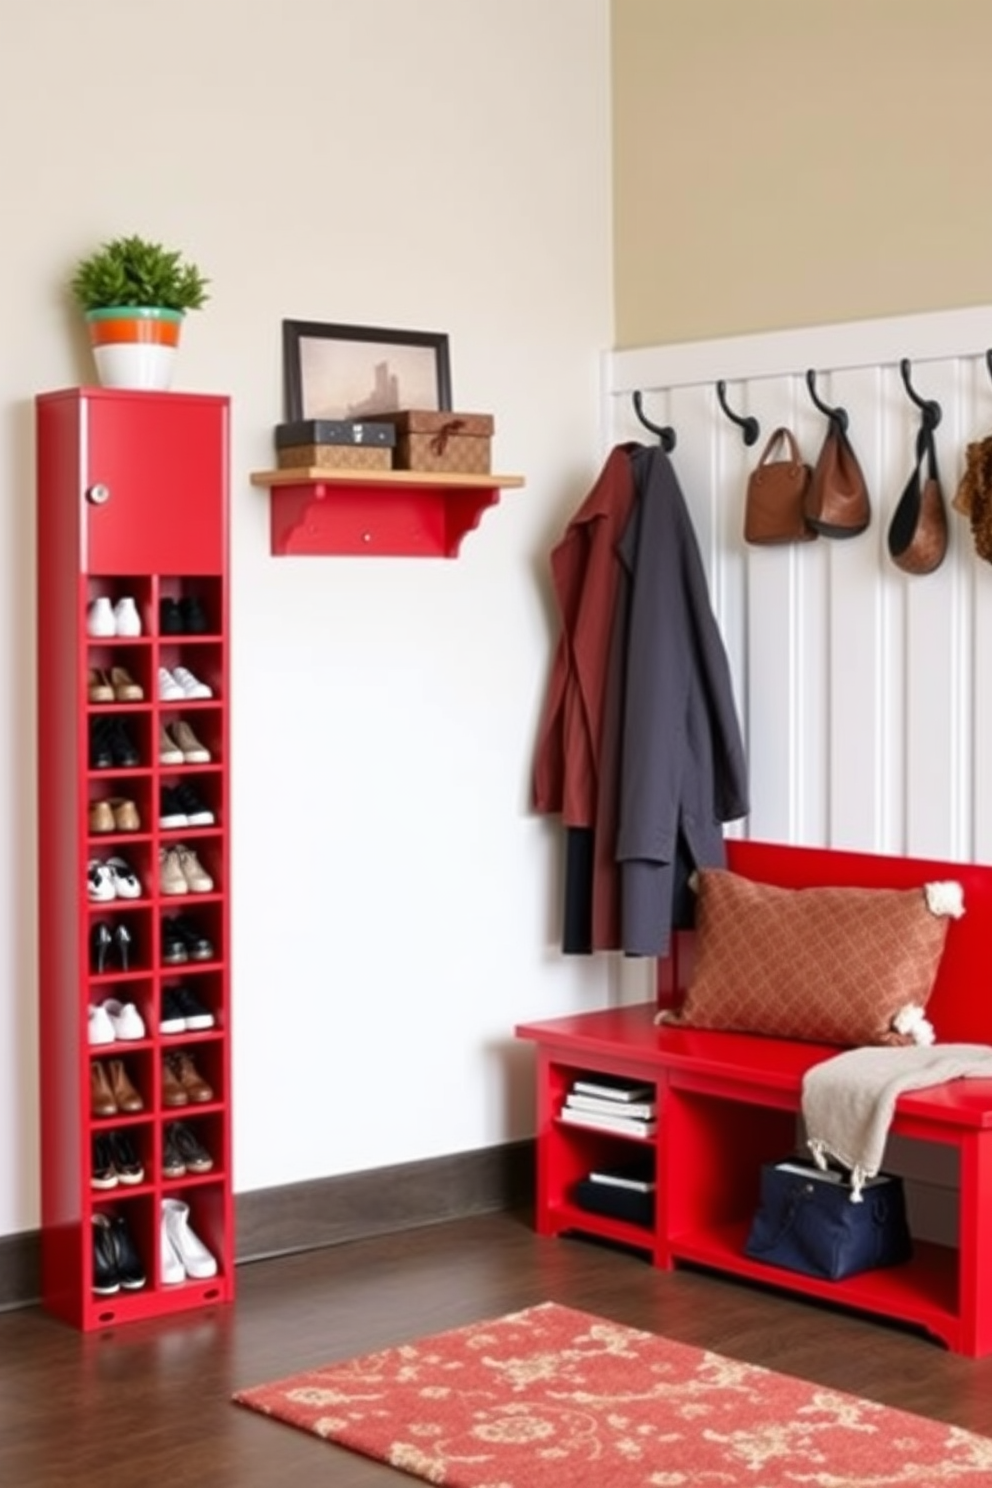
[(728, 1102)]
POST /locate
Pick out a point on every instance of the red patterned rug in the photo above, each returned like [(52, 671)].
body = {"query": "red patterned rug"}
[(554, 1398)]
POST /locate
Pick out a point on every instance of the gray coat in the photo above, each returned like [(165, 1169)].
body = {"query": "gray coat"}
[(682, 767)]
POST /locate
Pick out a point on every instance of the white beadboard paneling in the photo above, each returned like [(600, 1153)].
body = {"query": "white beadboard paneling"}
[(860, 688)]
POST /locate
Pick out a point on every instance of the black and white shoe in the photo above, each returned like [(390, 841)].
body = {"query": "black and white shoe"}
[(130, 1270), (127, 1164), (106, 1276), (103, 1173)]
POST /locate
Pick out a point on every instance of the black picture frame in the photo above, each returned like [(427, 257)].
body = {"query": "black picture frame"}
[(354, 372)]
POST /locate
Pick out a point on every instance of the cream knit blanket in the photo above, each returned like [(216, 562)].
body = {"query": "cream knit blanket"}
[(848, 1101)]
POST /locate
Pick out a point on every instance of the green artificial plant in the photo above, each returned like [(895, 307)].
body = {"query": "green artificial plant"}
[(134, 271)]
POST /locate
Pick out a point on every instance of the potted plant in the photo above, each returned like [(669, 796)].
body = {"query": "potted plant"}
[(134, 294)]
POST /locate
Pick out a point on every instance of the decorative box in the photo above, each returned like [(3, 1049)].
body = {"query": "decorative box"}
[(339, 444), (442, 441)]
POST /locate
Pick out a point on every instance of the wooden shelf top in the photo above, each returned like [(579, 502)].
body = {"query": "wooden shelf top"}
[(304, 475)]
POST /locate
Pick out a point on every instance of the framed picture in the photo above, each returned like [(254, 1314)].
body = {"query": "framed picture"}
[(355, 372)]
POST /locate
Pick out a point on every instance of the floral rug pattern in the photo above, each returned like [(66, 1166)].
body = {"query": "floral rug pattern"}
[(555, 1398)]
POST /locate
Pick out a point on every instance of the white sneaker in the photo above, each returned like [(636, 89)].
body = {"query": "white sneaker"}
[(125, 1020), (99, 882), (125, 881), (100, 618), (169, 690), (192, 686), (127, 621), (171, 1269), (195, 1258), (101, 1029)]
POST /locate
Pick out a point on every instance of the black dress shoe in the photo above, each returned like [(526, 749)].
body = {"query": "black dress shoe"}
[(174, 948), (101, 746), (199, 947), (130, 1270), (101, 939), (170, 619), (194, 617), (106, 1277), (123, 752)]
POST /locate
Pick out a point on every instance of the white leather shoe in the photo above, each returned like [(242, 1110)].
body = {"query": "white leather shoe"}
[(125, 881), (127, 621), (101, 1029), (192, 686), (169, 690), (125, 1019), (170, 1269), (194, 1256), (100, 618), (99, 882)]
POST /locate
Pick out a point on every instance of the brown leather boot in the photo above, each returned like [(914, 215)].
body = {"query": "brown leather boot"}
[(102, 1102), (173, 1093), (125, 1095), (189, 1077)]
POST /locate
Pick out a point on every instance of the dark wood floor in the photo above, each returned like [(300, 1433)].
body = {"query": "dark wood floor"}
[(149, 1405)]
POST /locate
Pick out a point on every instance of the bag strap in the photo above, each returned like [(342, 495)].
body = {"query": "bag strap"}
[(774, 440)]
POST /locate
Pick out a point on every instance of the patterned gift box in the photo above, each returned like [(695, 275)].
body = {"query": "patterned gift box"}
[(442, 441)]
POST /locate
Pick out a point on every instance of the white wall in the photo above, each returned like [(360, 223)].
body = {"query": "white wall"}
[(442, 166)]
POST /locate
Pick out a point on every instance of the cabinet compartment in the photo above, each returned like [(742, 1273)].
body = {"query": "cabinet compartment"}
[(154, 531)]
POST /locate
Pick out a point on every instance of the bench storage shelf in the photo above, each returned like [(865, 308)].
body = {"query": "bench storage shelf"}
[(729, 1102)]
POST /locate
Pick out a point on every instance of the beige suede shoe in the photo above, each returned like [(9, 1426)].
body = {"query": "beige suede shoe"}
[(193, 752), (171, 878), (193, 872)]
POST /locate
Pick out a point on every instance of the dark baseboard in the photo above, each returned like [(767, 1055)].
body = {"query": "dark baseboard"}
[(330, 1211)]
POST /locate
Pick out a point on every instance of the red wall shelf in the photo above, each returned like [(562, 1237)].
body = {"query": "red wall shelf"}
[(376, 513)]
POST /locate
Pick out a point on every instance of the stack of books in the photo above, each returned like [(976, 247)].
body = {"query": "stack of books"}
[(610, 1103)]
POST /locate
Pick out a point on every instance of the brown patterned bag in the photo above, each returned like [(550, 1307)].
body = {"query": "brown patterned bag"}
[(773, 505)]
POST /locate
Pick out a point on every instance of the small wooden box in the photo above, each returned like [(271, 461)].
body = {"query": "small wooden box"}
[(335, 444), (442, 441)]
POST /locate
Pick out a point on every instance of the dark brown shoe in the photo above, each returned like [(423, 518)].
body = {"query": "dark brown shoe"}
[(125, 1095), (173, 1092), (191, 1081), (102, 1102)]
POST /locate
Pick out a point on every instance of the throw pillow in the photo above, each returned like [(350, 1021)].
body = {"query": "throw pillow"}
[(841, 965)]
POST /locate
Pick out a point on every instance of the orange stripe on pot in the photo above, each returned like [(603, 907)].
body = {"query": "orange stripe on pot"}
[(131, 328)]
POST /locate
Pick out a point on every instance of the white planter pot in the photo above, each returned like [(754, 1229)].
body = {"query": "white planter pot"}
[(134, 346)]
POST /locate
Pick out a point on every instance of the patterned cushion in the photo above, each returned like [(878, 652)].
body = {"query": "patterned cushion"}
[(828, 965)]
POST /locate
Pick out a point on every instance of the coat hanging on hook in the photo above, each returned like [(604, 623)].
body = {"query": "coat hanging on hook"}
[(837, 502)]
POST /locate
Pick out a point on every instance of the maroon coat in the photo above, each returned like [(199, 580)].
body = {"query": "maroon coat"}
[(585, 570)]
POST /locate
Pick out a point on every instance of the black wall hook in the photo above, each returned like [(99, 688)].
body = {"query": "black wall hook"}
[(838, 415), (750, 426), (988, 361), (664, 432), (930, 409)]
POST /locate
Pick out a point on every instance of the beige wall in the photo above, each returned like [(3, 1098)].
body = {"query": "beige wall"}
[(783, 162)]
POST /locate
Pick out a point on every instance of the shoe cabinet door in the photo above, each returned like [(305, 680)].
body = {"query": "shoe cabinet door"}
[(154, 478)]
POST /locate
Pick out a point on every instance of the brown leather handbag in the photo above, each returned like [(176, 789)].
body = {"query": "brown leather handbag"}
[(837, 501), (773, 504), (918, 530)]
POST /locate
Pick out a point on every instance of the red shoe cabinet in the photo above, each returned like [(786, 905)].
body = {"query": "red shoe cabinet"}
[(132, 502)]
